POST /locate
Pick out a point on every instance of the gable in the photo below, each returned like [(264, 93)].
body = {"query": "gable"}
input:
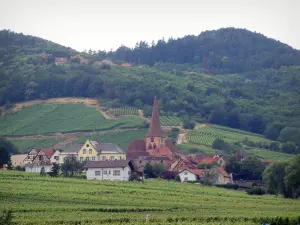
[(87, 146), (33, 152)]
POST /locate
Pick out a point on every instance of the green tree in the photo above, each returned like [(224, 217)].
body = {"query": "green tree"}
[(158, 170), (54, 170), (273, 130), (6, 217), (273, 177), (288, 147), (233, 165), (292, 177), (148, 171), (4, 157), (43, 172), (252, 168), (71, 166), (275, 146)]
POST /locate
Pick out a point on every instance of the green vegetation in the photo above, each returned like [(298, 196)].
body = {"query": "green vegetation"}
[(206, 136), (253, 87), (48, 200), (24, 145), (267, 154), (170, 121), (51, 118), (124, 111), (122, 138)]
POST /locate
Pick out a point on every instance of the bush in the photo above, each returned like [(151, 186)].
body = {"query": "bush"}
[(19, 168), (228, 186), (256, 191), (6, 217), (177, 178)]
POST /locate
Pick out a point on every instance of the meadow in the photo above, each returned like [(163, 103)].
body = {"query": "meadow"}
[(45, 200), (52, 118)]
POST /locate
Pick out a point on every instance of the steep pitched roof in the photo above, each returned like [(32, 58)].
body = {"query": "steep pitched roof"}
[(106, 164), (136, 148), (48, 152), (222, 171), (111, 148), (72, 149), (155, 128)]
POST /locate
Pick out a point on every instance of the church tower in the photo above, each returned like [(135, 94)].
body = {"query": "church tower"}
[(155, 138)]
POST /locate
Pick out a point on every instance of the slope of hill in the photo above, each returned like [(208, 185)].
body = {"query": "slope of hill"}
[(226, 50), (253, 101), (36, 200)]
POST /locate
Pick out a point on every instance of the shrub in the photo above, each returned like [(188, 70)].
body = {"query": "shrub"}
[(228, 186), (177, 178), (6, 217), (256, 191)]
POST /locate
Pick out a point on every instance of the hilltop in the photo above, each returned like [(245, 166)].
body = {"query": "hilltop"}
[(263, 99)]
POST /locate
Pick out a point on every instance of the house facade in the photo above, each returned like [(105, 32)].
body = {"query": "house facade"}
[(190, 175), (30, 156), (18, 159), (117, 170), (34, 168)]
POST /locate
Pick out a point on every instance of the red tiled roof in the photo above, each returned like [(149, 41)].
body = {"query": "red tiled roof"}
[(155, 128), (222, 171), (208, 160), (136, 148), (60, 60), (48, 151), (199, 172)]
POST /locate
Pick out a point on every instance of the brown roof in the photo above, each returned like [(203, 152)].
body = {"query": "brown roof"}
[(222, 171), (72, 148), (136, 148), (106, 164), (48, 151), (155, 128)]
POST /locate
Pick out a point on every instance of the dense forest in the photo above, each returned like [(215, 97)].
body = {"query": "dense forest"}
[(226, 50), (253, 95)]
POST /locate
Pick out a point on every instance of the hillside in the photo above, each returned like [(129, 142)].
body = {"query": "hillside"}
[(36, 200), (226, 50), (264, 101)]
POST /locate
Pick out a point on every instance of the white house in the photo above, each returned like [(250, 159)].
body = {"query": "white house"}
[(55, 157), (117, 170), (190, 174), (34, 168)]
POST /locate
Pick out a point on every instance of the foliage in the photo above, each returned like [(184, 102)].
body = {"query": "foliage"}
[(289, 147), (60, 200), (71, 166), (207, 165), (291, 134), (177, 178), (43, 172), (124, 111), (4, 156), (8, 145), (228, 186), (6, 217), (256, 191), (54, 170), (292, 177), (251, 169), (154, 171), (170, 121)]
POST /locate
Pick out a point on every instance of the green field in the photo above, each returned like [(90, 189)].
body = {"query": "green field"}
[(45, 200), (24, 145), (266, 154), (52, 118), (124, 111), (121, 138), (170, 121), (207, 135)]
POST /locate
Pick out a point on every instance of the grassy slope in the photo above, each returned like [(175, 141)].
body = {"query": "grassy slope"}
[(51, 118), (41, 200)]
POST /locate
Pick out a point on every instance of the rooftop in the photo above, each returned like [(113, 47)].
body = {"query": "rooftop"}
[(106, 164)]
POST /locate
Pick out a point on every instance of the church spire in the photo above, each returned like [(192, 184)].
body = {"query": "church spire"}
[(155, 128)]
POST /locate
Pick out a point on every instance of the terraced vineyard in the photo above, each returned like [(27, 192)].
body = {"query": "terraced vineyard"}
[(124, 111), (206, 136), (51, 118), (45, 200), (170, 121)]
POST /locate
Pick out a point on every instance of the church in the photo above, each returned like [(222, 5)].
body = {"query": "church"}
[(156, 148)]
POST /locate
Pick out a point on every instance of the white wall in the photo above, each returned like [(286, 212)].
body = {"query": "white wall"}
[(187, 174), (124, 175), (37, 168), (52, 160)]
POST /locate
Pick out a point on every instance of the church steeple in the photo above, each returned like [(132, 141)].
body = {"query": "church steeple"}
[(155, 128)]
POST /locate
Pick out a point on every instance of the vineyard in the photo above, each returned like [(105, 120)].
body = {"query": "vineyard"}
[(170, 121), (206, 136), (124, 111), (45, 200), (52, 118)]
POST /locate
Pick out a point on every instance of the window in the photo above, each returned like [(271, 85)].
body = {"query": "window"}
[(103, 158), (154, 146), (56, 157), (117, 173), (185, 173), (84, 151), (90, 151), (149, 146), (161, 161), (129, 172), (105, 172), (152, 139), (109, 172), (120, 157), (112, 158), (97, 173), (41, 157), (87, 145), (186, 179), (87, 158), (81, 159), (93, 158)]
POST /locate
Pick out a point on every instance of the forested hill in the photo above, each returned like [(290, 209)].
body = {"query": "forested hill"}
[(263, 101), (226, 50)]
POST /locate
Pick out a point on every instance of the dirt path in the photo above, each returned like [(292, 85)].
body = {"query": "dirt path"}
[(181, 138), (66, 135), (141, 114)]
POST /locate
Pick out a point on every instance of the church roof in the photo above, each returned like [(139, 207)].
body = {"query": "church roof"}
[(155, 128)]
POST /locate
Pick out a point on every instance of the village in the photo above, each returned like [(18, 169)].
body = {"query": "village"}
[(107, 161)]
